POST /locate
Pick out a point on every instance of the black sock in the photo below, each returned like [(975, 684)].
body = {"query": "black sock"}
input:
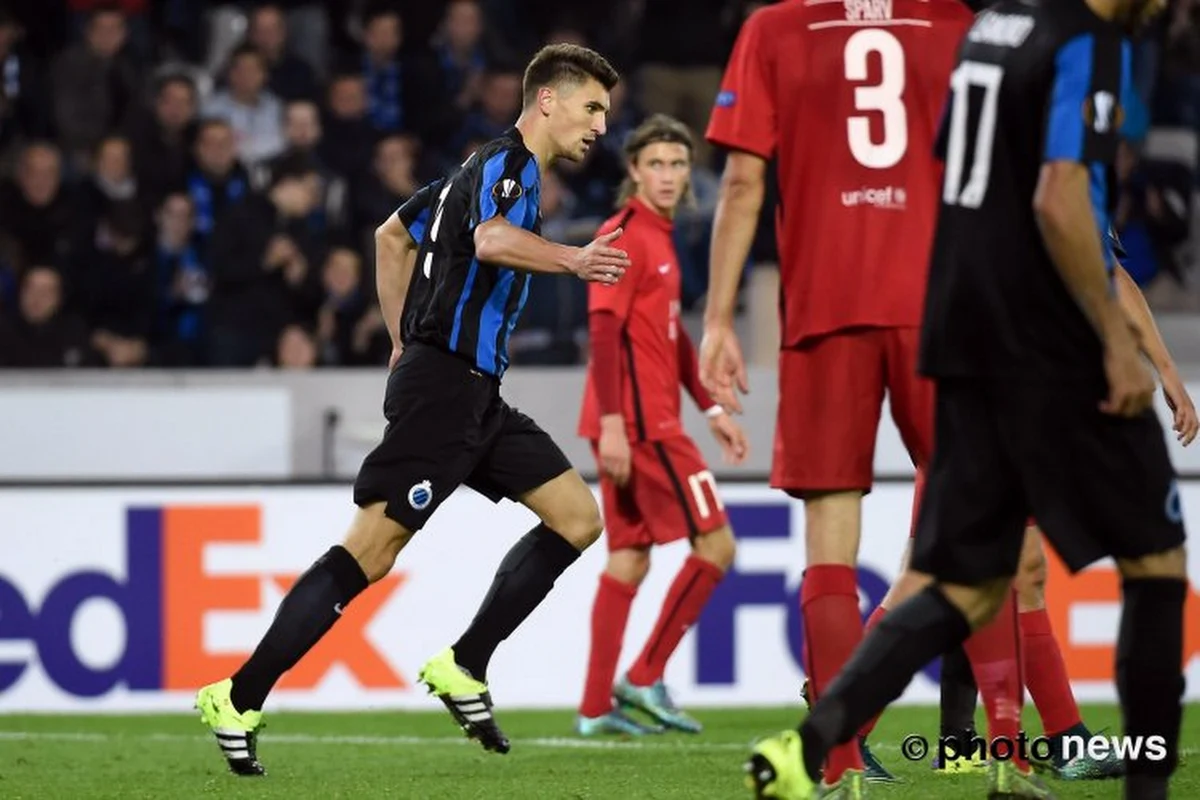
[(523, 579), (1149, 672), (906, 639), (309, 610), (959, 696)]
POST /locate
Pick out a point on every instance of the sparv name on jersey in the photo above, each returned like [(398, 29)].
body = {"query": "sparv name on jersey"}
[(868, 10)]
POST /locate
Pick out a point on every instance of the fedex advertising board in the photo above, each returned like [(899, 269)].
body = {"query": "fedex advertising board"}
[(129, 599)]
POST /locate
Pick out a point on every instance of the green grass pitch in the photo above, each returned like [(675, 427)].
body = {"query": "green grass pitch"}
[(420, 756)]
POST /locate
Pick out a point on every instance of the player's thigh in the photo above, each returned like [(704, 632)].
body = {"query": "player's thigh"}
[(971, 522), (433, 408), (523, 463), (624, 526), (675, 490), (1099, 485), (830, 398), (910, 394)]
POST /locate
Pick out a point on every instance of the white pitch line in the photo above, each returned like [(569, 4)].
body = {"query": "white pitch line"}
[(560, 743)]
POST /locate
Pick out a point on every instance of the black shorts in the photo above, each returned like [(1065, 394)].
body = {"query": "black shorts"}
[(1098, 485), (448, 426)]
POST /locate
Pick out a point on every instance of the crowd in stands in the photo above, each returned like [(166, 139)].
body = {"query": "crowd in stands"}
[(187, 184)]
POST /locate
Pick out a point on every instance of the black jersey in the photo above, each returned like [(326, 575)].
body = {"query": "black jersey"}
[(455, 301), (1037, 81)]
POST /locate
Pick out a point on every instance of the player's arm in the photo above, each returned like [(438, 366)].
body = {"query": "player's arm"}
[(739, 203), (725, 430), (744, 122), (1074, 141), (498, 211), (397, 242)]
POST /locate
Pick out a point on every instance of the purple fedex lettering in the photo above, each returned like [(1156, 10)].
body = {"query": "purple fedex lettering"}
[(716, 631), (138, 596)]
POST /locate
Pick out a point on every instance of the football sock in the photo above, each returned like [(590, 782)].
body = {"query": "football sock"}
[(959, 696), (871, 622), (1149, 675), (832, 629), (610, 613), (524, 578), (994, 651), (905, 640), (307, 612), (684, 601), (1046, 674)]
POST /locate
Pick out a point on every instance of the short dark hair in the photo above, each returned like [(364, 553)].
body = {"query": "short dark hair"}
[(566, 63), (291, 167), (246, 49)]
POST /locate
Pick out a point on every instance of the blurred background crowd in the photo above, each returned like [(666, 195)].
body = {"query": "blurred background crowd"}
[(186, 184)]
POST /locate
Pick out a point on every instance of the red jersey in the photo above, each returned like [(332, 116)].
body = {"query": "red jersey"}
[(848, 95), (645, 302)]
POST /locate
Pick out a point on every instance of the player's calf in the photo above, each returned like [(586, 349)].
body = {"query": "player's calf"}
[(1149, 654)]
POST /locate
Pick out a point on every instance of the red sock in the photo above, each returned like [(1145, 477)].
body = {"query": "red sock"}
[(1046, 674), (994, 651), (832, 631), (685, 600), (872, 621), (610, 612)]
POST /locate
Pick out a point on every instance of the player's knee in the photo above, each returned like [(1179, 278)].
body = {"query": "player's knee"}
[(1167, 564), (979, 603), (629, 566), (582, 524), (716, 547), (375, 540), (1031, 575)]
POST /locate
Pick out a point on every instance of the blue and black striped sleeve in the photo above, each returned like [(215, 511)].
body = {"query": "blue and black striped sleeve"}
[(414, 213), (508, 187), (1085, 114)]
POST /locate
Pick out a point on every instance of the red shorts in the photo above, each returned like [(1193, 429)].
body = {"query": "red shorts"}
[(671, 494), (831, 394)]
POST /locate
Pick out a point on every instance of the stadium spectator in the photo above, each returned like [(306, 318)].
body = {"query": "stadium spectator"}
[(111, 181), (139, 43), (162, 141), (42, 333), (261, 260), (217, 180), (302, 134), (348, 137), (181, 287), (253, 111), (295, 349), (500, 102), (289, 77), (350, 329), (113, 284), (1153, 213), (459, 49), (392, 181), (383, 71), (36, 210), (94, 88), (1181, 66)]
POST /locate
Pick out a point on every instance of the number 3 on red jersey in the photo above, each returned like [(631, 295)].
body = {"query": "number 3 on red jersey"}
[(884, 97)]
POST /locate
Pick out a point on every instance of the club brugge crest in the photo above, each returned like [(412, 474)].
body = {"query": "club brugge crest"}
[(420, 495)]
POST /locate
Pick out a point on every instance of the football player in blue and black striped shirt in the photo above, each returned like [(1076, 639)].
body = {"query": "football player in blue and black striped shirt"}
[(453, 270)]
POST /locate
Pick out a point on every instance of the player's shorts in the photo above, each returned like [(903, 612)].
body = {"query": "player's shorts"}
[(448, 426), (831, 392), (670, 494), (919, 492), (1098, 485)]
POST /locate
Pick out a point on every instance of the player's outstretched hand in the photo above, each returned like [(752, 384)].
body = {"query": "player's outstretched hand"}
[(731, 437), (600, 261), (1180, 402), (1130, 386), (722, 367)]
